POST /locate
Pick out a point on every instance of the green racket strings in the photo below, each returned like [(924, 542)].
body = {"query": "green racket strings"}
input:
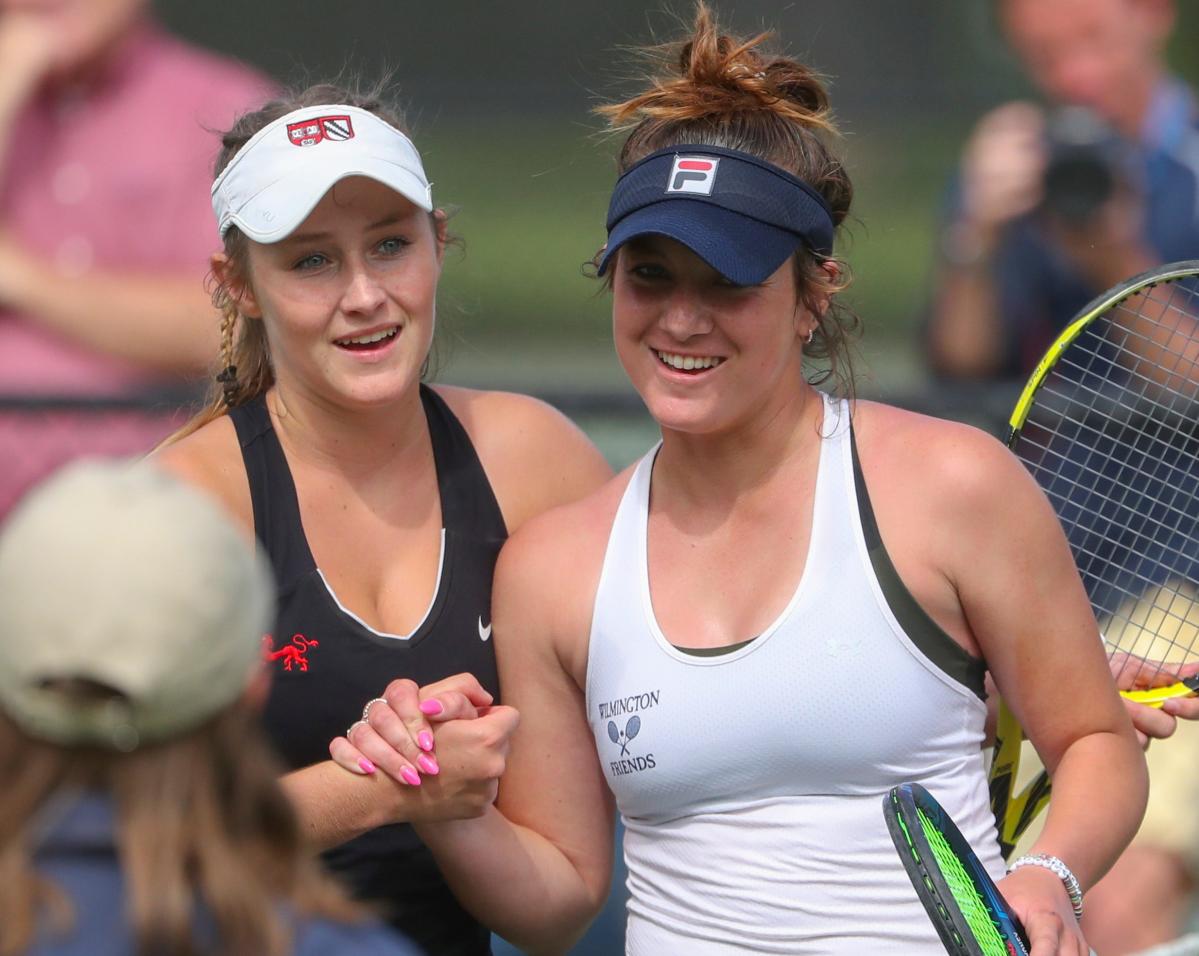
[(971, 903)]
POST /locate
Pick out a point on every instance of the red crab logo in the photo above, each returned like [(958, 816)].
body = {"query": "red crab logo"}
[(292, 655)]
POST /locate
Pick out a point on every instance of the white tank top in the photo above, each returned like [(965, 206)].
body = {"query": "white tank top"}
[(751, 783)]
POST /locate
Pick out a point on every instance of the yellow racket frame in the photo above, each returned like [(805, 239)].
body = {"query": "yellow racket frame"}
[(1015, 811)]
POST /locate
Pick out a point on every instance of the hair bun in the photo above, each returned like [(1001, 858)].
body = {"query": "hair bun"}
[(714, 77), (800, 85)]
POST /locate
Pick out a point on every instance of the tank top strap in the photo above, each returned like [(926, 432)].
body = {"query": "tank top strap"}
[(468, 503), (629, 535), (837, 423), (277, 520), (925, 633)]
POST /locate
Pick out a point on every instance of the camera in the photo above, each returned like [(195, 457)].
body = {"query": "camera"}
[(1087, 161)]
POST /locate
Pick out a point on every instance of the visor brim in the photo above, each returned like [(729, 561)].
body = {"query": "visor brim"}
[(276, 211), (744, 250)]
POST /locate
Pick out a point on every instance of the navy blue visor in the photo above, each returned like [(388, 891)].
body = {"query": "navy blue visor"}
[(741, 215)]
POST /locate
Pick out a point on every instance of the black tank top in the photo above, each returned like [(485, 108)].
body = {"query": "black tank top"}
[(326, 663)]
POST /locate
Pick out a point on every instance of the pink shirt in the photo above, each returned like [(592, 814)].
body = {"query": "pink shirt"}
[(117, 176)]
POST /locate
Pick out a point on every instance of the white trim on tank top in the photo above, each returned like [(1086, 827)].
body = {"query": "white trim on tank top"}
[(424, 617), (643, 477)]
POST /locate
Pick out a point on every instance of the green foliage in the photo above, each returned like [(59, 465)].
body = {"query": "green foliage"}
[(530, 204)]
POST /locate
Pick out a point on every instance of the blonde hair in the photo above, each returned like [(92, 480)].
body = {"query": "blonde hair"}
[(201, 823), (716, 89)]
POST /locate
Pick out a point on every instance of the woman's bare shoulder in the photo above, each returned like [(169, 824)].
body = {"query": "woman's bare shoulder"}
[(564, 545), (571, 535), (535, 457), (548, 572), (959, 491), (939, 457), (210, 459)]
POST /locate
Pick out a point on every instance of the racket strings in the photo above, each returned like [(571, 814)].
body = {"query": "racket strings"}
[(1076, 384), (1101, 426), (1105, 508), (1149, 359), (1129, 628), (965, 891), (1131, 545), (1111, 437), (1162, 341), (1174, 507), (1099, 368)]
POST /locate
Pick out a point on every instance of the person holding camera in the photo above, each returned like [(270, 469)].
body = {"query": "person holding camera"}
[(1052, 205), (1055, 203)]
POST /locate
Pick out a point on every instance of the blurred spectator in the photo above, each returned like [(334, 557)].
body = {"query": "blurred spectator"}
[(1052, 205), (106, 147), (1056, 203), (140, 810)]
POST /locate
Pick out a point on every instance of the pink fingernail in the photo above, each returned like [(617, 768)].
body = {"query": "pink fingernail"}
[(366, 765), (410, 776), (428, 764), (431, 707), (424, 740)]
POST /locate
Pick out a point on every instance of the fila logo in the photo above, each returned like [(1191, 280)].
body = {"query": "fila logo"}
[(310, 132), (693, 174)]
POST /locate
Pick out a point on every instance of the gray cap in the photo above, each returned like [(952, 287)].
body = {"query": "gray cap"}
[(117, 573)]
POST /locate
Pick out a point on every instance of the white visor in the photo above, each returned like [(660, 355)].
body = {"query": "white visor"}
[(279, 176)]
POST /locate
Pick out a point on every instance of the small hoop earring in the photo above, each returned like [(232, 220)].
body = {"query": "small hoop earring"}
[(811, 335)]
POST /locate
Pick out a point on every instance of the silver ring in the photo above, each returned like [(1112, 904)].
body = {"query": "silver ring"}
[(367, 709), (352, 726)]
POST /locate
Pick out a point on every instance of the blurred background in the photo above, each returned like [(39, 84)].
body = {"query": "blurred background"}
[(499, 96), (500, 99)]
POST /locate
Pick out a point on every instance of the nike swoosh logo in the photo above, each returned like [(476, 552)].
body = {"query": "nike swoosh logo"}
[(484, 632)]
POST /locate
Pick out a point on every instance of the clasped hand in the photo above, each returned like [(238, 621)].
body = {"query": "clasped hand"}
[(447, 739)]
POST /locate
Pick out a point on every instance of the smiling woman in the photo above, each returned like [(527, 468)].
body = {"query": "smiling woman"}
[(787, 606), (381, 501), (360, 274)]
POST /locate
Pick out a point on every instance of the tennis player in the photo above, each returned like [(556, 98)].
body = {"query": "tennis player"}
[(786, 607), (381, 502)]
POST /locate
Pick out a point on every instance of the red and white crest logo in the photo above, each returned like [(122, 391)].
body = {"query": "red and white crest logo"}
[(319, 128), (693, 174)]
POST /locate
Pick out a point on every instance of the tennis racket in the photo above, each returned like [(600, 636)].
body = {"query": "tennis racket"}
[(1108, 424), (963, 902)]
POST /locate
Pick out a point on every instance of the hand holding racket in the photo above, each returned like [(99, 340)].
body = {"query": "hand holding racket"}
[(970, 914), (1108, 425)]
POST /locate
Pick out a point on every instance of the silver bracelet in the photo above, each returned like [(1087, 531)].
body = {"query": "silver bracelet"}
[(1058, 869)]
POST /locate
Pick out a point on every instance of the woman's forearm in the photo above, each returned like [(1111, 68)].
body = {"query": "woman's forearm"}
[(517, 882), (1099, 790), (335, 806)]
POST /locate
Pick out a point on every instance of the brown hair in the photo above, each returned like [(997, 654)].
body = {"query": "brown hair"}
[(714, 89), (245, 370), (201, 821)]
